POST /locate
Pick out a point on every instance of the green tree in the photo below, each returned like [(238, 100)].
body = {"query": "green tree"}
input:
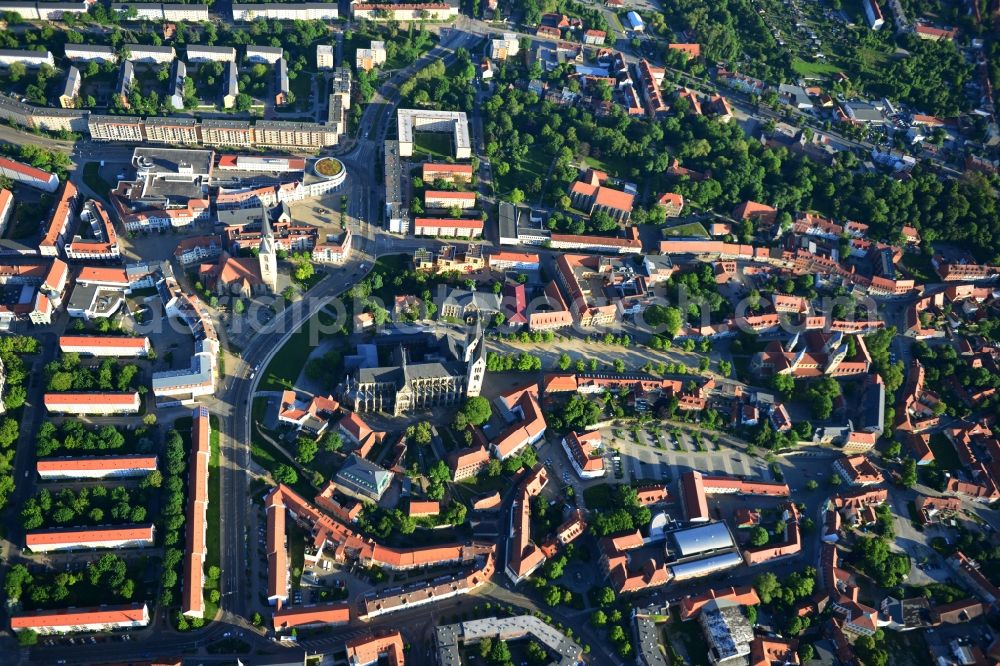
[(307, 449), (477, 410), (758, 536), (285, 474), (664, 317)]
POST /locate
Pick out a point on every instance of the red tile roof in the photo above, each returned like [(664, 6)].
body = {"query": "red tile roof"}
[(101, 463), (74, 617), (72, 535), (101, 341), (89, 398), (287, 618)]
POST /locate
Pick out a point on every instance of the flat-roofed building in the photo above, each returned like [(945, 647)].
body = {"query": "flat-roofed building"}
[(102, 618), (448, 227), (79, 538), (410, 121), (372, 57), (325, 57)]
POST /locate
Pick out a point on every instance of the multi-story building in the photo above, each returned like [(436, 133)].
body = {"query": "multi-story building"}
[(423, 11), (87, 52), (584, 452), (197, 53), (60, 223), (96, 467), (448, 227), (409, 121), (363, 479), (105, 618), (449, 199), (331, 251), (467, 463), (149, 53), (372, 57), (155, 11), (449, 173), (26, 174), (505, 47), (325, 56), (27, 58), (77, 538), (113, 346), (265, 54), (71, 89), (286, 11), (192, 603), (177, 85), (100, 404), (857, 471), (230, 85)]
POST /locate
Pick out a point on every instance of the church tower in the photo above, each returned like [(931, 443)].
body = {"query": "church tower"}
[(475, 358), (268, 256)]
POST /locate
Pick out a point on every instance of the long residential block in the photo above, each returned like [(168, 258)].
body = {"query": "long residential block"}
[(76, 538), (92, 403), (95, 467), (101, 618), (192, 601), (94, 345)]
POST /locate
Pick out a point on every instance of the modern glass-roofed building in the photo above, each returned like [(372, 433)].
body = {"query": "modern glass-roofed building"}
[(701, 539), (363, 479), (705, 566)]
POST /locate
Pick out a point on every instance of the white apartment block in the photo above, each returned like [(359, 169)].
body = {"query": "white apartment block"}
[(325, 57), (372, 57), (126, 536), (149, 53), (297, 11), (265, 54), (506, 47), (96, 467), (88, 52), (27, 58), (409, 121), (197, 53)]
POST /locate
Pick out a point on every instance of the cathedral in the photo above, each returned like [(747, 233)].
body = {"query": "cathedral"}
[(428, 371)]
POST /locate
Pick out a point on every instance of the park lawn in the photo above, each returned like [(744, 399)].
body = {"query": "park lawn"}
[(301, 87), (611, 165), (691, 229), (312, 280), (92, 177), (284, 367), (945, 455), (436, 145), (817, 69), (535, 165), (214, 519)]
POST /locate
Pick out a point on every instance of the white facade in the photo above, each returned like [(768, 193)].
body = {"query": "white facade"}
[(28, 58), (95, 467), (300, 11), (197, 53), (325, 57), (197, 380), (144, 53), (87, 52), (265, 54), (409, 121)]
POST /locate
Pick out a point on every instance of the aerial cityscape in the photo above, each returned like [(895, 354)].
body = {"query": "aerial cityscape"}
[(538, 332)]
